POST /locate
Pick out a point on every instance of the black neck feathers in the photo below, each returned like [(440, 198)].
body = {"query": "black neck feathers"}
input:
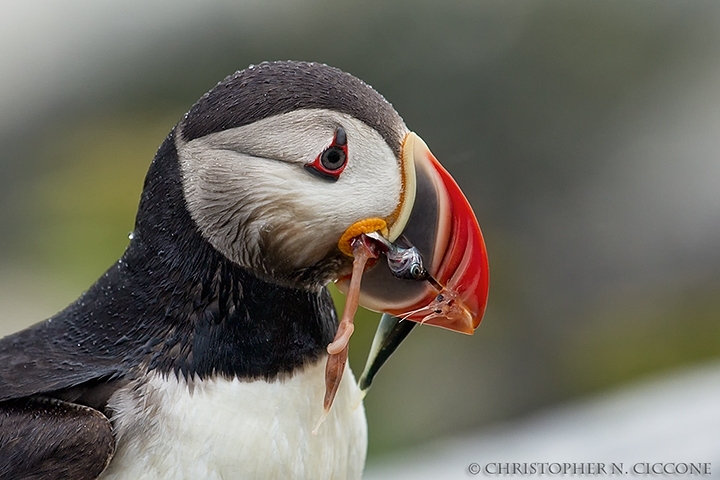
[(218, 318)]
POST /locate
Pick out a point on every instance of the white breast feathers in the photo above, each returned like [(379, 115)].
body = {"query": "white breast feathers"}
[(229, 429)]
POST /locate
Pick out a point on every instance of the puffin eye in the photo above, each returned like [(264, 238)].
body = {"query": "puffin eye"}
[(333, 158), (332, 161)]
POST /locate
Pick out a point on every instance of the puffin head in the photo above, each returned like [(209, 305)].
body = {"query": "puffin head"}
[(284, 163)]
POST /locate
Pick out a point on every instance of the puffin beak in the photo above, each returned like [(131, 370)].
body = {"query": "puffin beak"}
[(436, 218), (436, 271)]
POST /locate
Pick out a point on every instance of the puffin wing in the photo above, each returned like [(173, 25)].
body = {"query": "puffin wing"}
[(44, 438), (45, 360)]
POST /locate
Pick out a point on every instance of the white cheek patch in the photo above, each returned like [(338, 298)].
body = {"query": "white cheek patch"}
[(251, 197)]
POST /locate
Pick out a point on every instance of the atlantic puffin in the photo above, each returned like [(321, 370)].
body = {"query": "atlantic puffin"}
[(207, 350)]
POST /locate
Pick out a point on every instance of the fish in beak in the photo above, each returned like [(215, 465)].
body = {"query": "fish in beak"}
[(435, 270)]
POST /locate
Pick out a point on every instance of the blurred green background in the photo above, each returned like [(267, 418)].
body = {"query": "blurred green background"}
[(585, 134)]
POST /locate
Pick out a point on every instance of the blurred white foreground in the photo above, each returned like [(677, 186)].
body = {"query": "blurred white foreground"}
[(670, 418)]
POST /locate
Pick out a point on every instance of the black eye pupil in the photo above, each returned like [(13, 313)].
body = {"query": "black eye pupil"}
[(415, 271), (333, 158)]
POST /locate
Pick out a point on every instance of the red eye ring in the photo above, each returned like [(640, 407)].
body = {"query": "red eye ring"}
[(332, 161)]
